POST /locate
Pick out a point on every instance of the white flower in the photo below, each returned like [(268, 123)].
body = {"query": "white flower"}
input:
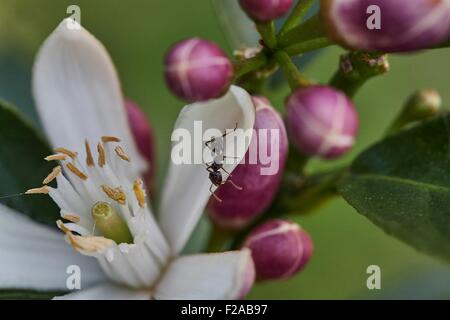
[(78, 97)]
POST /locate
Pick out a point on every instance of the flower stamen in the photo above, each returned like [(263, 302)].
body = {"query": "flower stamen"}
[(65, 151), (76, 171), (139, 192), (89, 158), (41, 190), (106, 139), (101, 155), (72, 218), (52, 175), (89, 243), (84, 243), (119, 151), (115, 194), (61, 226), (57, 157)]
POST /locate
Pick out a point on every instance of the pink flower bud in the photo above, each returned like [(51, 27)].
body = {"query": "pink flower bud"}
[(387, 25), (260, 174), (143, 136), (279, 248), (265, 10), (321, 121), (197, 70)]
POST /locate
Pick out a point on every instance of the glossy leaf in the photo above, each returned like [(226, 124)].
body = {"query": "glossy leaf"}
[(402, 184), (22, 166)]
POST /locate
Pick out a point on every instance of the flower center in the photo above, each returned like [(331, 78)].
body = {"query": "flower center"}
[(110, 223), (106, 213)]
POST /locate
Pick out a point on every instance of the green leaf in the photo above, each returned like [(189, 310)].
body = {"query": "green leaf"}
[(17, 294), (22, 166), (402, 184)]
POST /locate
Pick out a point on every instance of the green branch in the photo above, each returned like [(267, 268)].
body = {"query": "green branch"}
[(311, 29), (245, 66), (293, 75), (297, 15), (307, 46), (356, 68), (267, 32)]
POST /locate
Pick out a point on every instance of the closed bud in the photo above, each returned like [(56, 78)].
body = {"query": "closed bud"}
[(265, 10), (259, 175), (422, 105), (143, 136), (387, 25), (321, 121), (197, 70), (280, 249)]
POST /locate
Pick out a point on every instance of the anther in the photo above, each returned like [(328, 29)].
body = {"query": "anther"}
[(58, 156), (89, 159), (139, 192), (65, 151), (61, 226), (115, 194), (55, 172), (76, 171), (41, 190), (106, 139), (101, 155), (72, 218), (119, 151)]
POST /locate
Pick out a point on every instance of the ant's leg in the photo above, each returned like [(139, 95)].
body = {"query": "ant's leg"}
[(235, 127), (207, 143), (234, 185), (230, 157), (215, 196), (229, 174)]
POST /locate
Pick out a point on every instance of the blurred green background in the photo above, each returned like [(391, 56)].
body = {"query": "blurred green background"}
[(137, 33)]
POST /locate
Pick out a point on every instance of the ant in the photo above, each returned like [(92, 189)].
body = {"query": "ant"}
[(215, 175)]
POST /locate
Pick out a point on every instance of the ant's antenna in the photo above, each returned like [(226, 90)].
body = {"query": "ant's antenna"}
[(235, 185)]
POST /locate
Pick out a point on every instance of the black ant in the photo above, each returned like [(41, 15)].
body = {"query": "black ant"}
[(215, 176), (220, 146)]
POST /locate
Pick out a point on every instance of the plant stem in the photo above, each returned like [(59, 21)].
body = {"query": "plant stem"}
[(313, 28), (245, 66), (302, 195), (297, 15), (220, 240), (307, 46), (267, 32), (298, 195), (293, 75), (356, 68)]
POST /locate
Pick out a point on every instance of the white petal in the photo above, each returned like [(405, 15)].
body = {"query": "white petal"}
[(33, 256), (207, 276), (106, 291), (186, 190), (77, 93)]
